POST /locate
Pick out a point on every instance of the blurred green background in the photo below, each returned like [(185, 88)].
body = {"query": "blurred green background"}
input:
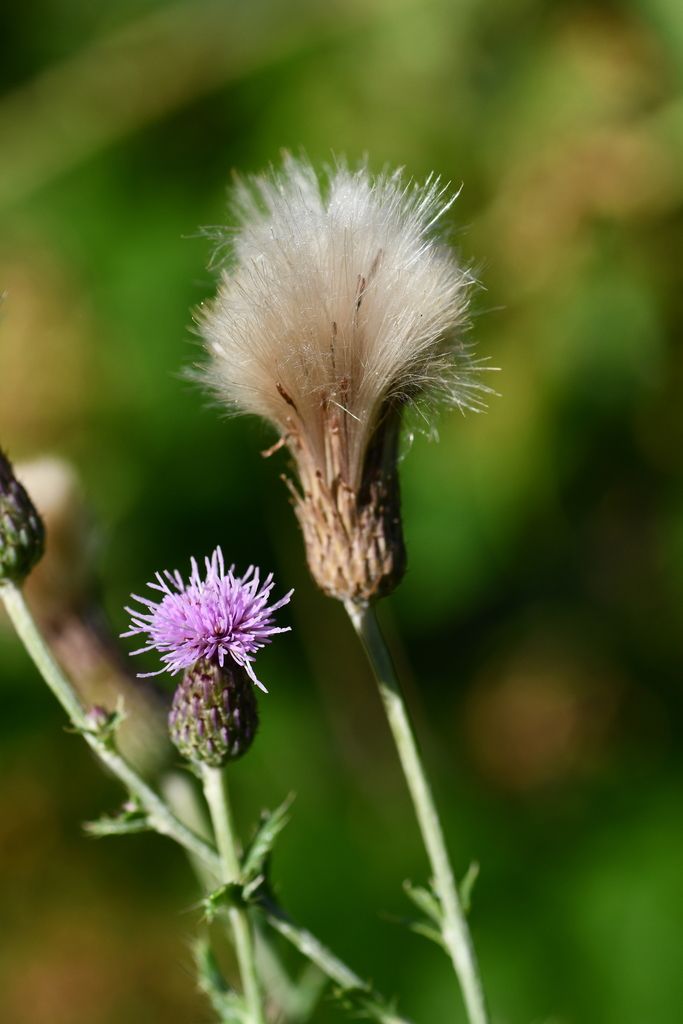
[(539, 625)]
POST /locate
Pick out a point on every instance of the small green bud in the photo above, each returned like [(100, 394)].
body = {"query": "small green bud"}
[(214, 716), (22, 534)]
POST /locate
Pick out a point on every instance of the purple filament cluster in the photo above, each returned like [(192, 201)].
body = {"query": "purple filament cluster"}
[(213, 617)]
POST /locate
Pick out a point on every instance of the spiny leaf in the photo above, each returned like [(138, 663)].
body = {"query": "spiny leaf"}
[(272, 823), (366, 1005), (130, 819)]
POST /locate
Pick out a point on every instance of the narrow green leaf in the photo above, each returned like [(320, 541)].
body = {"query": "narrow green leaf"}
[(272, 823), (427, 932), (425, 901), (227, 1003), (467, 885), (298, 997), (129, 820)]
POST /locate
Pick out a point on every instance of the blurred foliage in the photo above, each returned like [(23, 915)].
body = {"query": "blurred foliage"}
[(539, 625)]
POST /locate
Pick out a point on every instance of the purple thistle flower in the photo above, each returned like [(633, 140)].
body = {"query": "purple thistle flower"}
[(221, 616)]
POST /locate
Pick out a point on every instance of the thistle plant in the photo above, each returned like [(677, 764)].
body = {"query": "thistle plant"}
[(340, 309), (341, 312), (209, 628)]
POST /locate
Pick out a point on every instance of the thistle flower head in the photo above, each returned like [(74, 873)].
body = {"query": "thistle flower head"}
[(218, 617), (341, 306), (22, 534)]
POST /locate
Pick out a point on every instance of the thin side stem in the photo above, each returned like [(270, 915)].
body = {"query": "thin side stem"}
[(160, 818), (335, 969), (216, 792), (455, 931)]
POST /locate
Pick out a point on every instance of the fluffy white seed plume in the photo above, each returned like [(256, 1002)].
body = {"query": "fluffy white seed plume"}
[(339, 307)]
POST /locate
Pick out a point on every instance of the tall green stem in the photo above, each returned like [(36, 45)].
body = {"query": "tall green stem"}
[(160, 818), (216, 792), (456, 934)]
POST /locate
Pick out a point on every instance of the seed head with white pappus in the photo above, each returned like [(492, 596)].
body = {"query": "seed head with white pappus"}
[(340, 306)]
